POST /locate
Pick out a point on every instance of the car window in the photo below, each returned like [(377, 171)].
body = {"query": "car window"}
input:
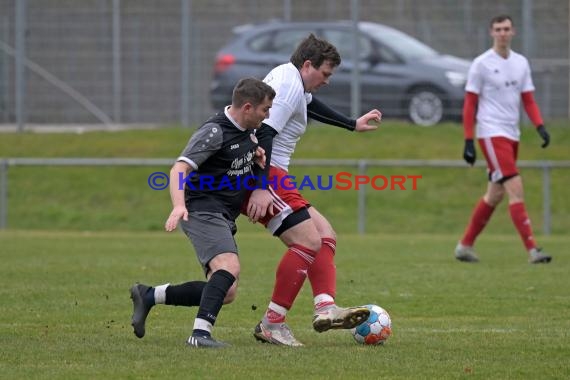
[(261, 43), (402, 44), (387, 55), (286, 41), (342, 39)]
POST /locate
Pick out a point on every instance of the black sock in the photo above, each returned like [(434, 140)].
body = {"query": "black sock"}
[(198, 332), (213, 295), (187, 294), (148, 297)]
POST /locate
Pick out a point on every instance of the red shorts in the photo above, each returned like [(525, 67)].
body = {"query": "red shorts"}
[(501, 155), (286, 199)]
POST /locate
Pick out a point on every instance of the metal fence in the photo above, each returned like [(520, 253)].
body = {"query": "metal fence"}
[(362, 165), (148, 61)]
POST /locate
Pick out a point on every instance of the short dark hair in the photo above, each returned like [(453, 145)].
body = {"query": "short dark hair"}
[(251, 90), (500, 18), (317, 51)]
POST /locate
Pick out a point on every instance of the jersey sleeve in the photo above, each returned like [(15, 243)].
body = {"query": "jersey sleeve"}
[(279, 114), (284, 103), (474, 78), (206, 141), (527, 85)]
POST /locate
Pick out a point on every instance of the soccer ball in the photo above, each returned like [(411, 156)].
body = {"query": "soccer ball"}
[(376, 329)]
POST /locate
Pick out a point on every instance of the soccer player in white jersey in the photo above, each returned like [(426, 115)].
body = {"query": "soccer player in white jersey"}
[(497, 82), (309, 237)]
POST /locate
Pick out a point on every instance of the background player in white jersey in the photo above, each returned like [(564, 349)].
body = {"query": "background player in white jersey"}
[(497, 81), (223, 151), (309, 237)]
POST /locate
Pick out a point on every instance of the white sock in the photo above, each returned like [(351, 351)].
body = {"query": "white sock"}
[(274, 314), (160, 293), (202, 324), (323, 299), (277, 308)]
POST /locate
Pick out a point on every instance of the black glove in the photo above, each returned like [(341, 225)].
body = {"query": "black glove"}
[(544, 135), (469, 154)]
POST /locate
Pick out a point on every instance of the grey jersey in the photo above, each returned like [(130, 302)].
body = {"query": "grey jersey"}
[(221, 154)]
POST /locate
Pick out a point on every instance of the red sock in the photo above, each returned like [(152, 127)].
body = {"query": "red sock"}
[(291, 274), (522, 223), (322, 273), (479, 219)]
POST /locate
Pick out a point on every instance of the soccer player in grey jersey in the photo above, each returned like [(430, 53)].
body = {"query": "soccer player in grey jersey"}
[(207, 189)]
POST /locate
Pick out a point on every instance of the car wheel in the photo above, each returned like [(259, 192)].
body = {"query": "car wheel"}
[(425, 107)]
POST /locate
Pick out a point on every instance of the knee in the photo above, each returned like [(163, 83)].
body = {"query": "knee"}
[(330, 234), (228, 262), (313, 242), (494, 198)]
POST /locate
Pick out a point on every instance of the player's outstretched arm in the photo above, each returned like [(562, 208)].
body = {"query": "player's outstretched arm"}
[(321, 112), (363, 122)]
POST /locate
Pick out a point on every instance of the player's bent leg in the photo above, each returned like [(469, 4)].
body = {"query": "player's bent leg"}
[(335, 317), (323, 225), (322, 275), (275, 333)]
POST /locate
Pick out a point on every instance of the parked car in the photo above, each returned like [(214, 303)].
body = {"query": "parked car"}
[(399, 75)]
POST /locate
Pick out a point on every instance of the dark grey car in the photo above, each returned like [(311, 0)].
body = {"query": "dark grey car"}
[(400, 75)]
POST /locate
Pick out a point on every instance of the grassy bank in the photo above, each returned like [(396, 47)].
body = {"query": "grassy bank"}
[(103, 198)]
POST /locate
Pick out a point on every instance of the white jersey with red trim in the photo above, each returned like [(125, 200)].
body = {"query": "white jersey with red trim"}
[(499, 83), (288, 115)]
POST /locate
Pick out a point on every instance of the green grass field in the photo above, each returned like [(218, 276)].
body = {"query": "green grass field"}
[(66, 310), (79, 237)]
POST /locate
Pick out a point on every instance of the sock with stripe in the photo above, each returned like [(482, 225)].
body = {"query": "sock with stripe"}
[(521, 221), (289, 278), (322, 272)]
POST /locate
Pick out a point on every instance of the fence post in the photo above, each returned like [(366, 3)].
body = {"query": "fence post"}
[(546, 198), (355, 85), (117, 77), (185, 62), (20, 68), (287, 10), (362, 164), (3, 194)]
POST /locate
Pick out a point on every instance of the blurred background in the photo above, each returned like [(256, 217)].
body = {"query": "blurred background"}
[(152, 62)]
